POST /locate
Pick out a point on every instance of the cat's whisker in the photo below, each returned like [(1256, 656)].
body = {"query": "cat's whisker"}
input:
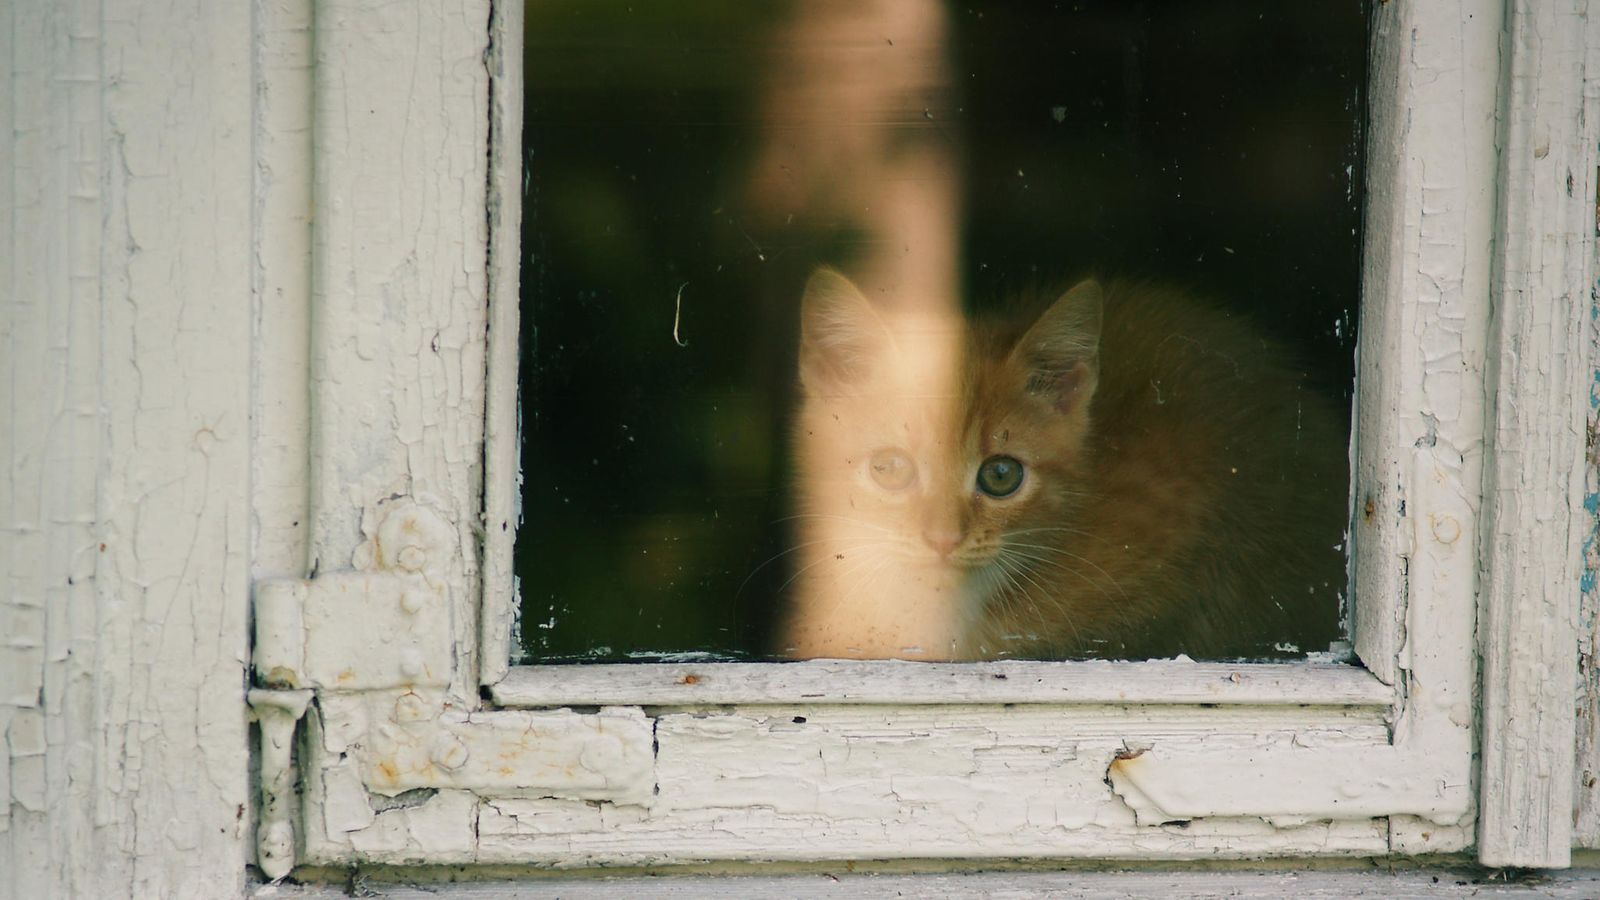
[(1093, 585), (1015, 568), (781, 554), (1088, 562), (827, 559), (872, 565), (1062, 529)]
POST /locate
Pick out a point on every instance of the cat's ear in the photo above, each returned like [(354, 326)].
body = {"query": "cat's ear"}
[(1060, 354), (841, 336)]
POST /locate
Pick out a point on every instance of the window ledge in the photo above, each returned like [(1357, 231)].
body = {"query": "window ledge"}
[(1425, 882), (1175, 681)]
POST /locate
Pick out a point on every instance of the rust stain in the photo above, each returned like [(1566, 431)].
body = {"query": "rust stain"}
[(689, 679), (346, 676), (1124, 763), (1125, 756), (1369, 509), (388, 770)]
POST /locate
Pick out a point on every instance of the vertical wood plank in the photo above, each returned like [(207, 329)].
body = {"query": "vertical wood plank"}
[(1419, 408), (174, 469), (1586, 774), (1417, 458), (49, 374), (503, 488), (399, 293), (281, 423), (124, 523), (1534, 477)]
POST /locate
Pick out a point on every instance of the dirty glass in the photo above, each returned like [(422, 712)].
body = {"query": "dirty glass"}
[(897, 328)]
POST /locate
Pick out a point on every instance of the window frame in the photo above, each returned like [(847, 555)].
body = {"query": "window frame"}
[(661, 764)]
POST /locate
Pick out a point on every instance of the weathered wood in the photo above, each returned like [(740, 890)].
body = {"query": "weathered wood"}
[(874, 761), (502, 500), (1534, 478), (837, 782), (399, 299), (900, 682), (124, 526), (1420, 401), (1429, 206), (1307, 785), (281, 411), (1586, 774), (1418, 884)]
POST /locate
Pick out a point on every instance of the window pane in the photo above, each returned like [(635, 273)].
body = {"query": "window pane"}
[(897, 328)]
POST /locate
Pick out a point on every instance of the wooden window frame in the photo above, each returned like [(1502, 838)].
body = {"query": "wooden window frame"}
[(384, 675)]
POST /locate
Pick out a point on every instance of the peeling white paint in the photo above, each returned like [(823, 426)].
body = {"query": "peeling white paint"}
[(157, 181), (125, 256), (1534, 484)]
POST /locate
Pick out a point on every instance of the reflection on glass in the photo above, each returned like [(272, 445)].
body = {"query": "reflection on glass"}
[(901, 329)]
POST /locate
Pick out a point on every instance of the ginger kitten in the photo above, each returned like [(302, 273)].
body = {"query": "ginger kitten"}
[(1127, 473)]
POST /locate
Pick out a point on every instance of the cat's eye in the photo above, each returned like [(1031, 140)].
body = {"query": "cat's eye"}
[(1000, 476), (892, 469)]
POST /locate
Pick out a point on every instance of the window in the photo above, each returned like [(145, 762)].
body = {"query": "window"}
[(408, 611), (1181, 484)]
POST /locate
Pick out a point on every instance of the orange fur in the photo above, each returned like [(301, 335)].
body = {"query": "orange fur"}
[(1183, 491)]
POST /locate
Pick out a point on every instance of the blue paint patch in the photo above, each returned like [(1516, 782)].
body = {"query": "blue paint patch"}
[(1586, 581), (1592, 503)]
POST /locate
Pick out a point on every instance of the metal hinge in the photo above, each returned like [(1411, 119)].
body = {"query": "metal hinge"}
[(384, 627)]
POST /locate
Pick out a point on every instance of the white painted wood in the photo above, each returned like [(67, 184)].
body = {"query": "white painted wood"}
[(1092, 760), (1116, 884), (399, 288), (1586, 772), (280, 436), (1419, 427), (130, 249), (502, 500), (1430, 199), (862, 782), (124, 522), (555, 754), (1534, 477), (281, 407), (1313, 784), (902, 682)]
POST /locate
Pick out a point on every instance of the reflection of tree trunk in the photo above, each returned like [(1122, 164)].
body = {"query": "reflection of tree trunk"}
[(860, 153), (859, 139)]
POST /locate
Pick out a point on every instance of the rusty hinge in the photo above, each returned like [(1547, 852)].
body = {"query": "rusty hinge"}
[(384, 627)]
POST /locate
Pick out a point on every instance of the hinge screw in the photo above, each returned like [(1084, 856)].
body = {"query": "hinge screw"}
[(412, 558)]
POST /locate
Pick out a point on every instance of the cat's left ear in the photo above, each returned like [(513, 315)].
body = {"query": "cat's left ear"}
[(1060, 354)]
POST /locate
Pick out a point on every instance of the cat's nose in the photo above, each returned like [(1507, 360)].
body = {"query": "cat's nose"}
[(942, 540)]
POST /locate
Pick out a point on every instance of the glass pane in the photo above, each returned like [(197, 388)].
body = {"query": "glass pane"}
[(894, 328)]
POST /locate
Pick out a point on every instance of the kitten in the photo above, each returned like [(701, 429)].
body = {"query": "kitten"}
[(1127, 474)]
